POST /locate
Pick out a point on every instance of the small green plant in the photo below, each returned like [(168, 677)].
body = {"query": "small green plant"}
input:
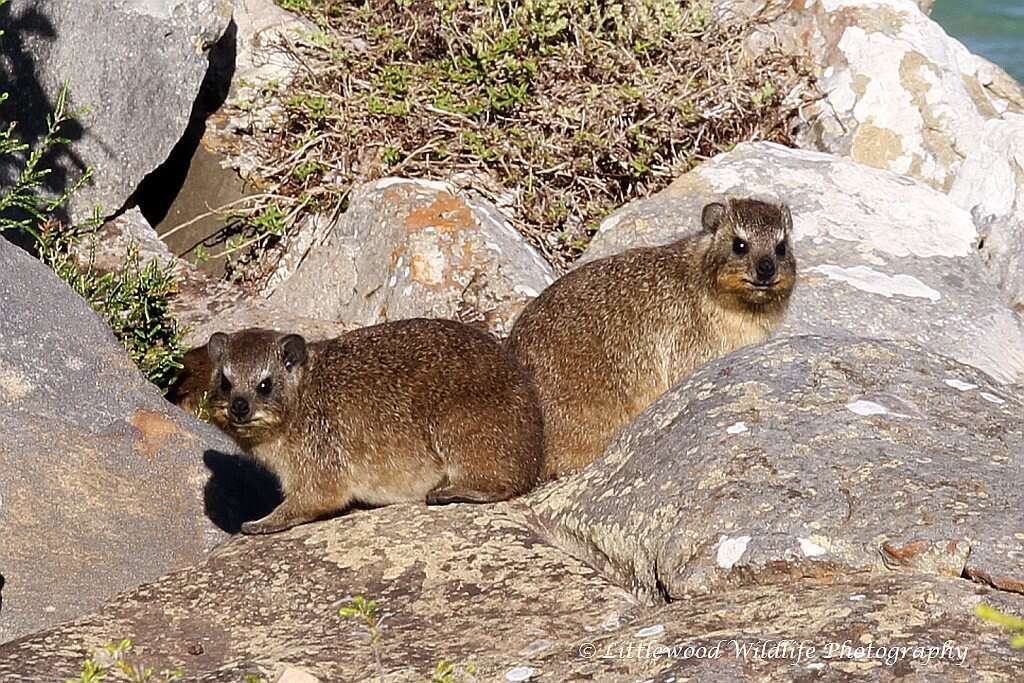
[(447, 672), (366, 611), (114, 659), (203, 407), (22, 206), (1015, 625)]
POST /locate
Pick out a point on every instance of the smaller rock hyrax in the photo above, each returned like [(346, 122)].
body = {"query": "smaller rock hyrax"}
[(605, 340), (413, 410)]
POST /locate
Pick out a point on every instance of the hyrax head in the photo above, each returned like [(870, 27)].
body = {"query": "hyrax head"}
[(255, 376), (751, 254)]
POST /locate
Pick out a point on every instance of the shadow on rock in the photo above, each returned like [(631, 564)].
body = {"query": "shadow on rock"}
[(238, 490), (158, 190), (30, 106)]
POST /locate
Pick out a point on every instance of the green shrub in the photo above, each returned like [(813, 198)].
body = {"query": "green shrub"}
[(567, 109)]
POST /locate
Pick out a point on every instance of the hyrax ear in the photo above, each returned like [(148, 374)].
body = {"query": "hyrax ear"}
[(712, 215), (787, 218), (217, 346), (293, 351)]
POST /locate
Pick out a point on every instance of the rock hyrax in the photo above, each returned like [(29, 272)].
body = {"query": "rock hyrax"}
[(405, 411), (605, 340)]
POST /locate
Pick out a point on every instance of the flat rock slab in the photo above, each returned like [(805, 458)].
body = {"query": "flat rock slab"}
[(807, 456), (414, 248), (472, 586), (879, 255), (864, 628), (134, 70), (103, 484), (464, 584)]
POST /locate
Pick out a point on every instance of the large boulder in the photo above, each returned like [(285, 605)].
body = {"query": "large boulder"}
[(103, 484), (135, 70), (476, 587), (900, 94), (807, 456), (879, 255), (408, 248)]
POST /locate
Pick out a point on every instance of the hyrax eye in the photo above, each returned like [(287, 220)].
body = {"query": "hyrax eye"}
[(739, 246), (225, 383), (265, 387), (780, 249)]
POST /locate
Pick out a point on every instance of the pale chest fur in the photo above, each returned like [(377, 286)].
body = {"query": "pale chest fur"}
[(723, 331), (271, 455), (733, 329)]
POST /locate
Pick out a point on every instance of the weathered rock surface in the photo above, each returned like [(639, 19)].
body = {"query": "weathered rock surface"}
[(806, 457), (137, 92), (262, 28), (902, 95), (1001, 246), (474, 586), (453, 583), (879, 255), (415, 248), (103, 484)]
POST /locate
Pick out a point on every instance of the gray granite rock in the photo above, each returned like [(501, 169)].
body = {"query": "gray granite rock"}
[(134, 69), (409, 248), (880, 255), (475, 587), (103, 484), (805, 457), (1001, 246)]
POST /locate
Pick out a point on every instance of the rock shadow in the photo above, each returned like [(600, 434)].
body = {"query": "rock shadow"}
[(158, 190), (238, 490)]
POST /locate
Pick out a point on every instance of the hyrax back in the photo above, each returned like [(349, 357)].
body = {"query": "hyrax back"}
[(605, 340), (414, 410)]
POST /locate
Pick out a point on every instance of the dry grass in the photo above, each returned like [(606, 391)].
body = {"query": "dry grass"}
[(562, 110)]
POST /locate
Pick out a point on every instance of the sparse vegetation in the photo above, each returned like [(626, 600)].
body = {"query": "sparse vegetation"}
[(366, 611), (114, 663), (565, 109), (447, 672)]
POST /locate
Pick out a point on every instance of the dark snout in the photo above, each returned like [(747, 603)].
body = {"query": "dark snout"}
[(766, 269), (240, 409)]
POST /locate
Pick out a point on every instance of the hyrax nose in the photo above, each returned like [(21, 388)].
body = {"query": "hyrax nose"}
[(766, 268), (239, 408)]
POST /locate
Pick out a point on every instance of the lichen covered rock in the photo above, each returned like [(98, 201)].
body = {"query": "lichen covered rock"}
[(805, 457), (407, 249)]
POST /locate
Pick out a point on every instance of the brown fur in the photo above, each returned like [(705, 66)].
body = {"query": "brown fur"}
[(406, 411), (193, 380), (604, 341)]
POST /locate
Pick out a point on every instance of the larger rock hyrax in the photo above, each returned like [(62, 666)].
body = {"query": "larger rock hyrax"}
[(605, 340), (413, 410)]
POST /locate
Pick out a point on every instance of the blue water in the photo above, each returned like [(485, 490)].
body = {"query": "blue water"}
[(993, 29)]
